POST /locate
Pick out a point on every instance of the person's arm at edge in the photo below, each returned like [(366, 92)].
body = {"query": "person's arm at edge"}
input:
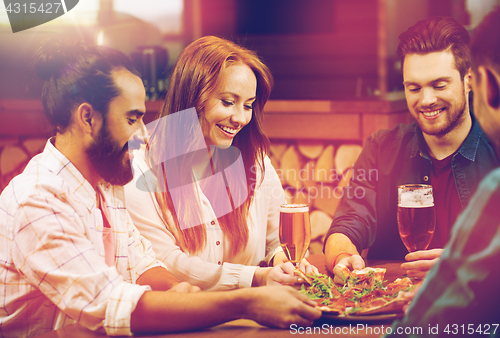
[(354, 214), (272, 306)]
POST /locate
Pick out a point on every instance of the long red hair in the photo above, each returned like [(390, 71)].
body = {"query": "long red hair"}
[(196, 76)]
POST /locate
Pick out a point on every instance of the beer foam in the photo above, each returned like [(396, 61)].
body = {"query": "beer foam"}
[(292, 208), (415, 196)]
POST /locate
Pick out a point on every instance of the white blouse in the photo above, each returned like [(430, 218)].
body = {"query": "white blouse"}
[(214, 267)]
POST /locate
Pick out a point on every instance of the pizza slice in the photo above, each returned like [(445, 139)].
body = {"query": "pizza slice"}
[(366, 276), (305, 278)]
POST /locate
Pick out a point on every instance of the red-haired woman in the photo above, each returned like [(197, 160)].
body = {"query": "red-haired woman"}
[(205, 193)]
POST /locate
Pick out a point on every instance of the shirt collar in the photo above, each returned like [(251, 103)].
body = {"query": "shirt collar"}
[(58, 164), (468, 149)]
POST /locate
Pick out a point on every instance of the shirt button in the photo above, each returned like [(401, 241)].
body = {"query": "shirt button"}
[(213, 222), (219, 263), (217, 243), (426, 178)]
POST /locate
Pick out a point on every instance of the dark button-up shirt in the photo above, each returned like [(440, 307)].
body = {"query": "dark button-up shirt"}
[(367, 214)]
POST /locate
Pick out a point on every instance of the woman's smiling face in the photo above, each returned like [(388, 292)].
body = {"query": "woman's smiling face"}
[(229, 108)]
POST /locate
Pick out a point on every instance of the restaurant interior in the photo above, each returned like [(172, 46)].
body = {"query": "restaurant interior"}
[(337, 77)]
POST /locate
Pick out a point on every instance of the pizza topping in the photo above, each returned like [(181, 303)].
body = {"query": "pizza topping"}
[(363, 292)]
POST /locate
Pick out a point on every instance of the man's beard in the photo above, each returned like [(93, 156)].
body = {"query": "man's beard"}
[(453, 118), (107, 158)]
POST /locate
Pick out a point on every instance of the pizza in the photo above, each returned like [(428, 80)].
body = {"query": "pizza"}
[(364, 292), (305, 278)]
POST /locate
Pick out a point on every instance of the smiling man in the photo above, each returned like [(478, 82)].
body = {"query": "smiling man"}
[(69, 251), (444, 147), (459, 297)]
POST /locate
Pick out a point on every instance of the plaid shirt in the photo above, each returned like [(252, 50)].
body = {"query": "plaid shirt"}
[(52, 268)]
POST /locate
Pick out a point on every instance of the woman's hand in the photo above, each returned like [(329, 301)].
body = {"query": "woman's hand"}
[(305, 266), (283, 274), (308, 268), (184, 287)]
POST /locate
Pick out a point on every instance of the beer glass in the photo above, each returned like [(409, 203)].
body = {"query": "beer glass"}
[(416, 216), (295, 231)]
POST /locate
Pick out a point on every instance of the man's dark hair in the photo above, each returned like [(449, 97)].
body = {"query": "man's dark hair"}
[(437, 34), (77, 73), (485, 45)]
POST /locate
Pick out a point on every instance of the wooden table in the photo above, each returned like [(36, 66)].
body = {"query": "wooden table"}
[(248, 328)]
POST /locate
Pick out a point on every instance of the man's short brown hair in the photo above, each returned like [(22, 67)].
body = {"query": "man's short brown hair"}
[(437, 34)]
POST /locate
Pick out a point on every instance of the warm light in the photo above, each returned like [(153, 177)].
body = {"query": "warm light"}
[(166, 15), (100, 38)]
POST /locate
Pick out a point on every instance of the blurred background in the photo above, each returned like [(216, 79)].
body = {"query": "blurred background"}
[(337, 78), (316, 49)]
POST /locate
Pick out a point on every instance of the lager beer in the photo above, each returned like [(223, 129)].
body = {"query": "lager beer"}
[(295, 231), (416, 216)]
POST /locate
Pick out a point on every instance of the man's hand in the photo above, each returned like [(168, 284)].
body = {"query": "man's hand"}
[(420, 262), (409, 296), (280, 306), (354, 262), (184, 287)]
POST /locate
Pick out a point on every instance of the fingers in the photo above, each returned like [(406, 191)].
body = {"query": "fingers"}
[(303, 298), (306, 312), (282, 306), (287, 267), (417, 273), (308, 268), (283, 274), (185, 287), (421, 265), (287, 279), (338, 280), (312, 270), (339, 276), (356, 262), (420, 262), (424, 254)]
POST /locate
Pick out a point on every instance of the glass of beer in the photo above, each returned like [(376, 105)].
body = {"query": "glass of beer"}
[(295, 231), (416, 216)]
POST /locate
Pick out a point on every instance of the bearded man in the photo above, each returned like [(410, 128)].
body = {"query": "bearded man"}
[(69, 252), (458, 296)]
